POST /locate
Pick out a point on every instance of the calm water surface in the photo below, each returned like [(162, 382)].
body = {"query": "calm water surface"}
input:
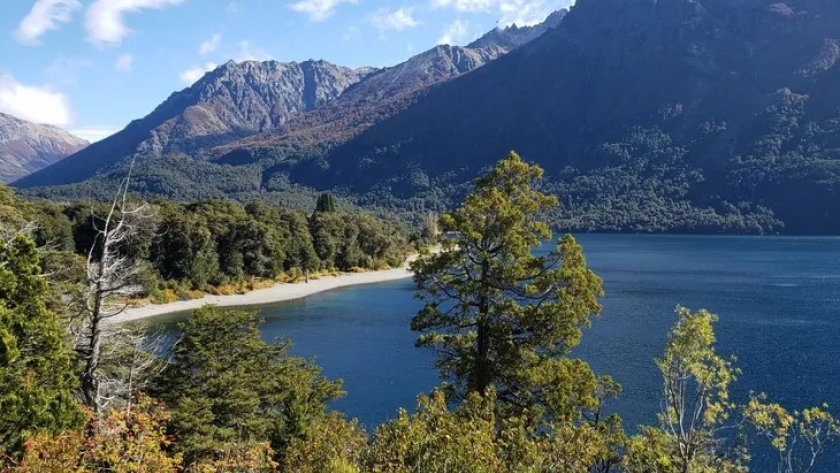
[(777, 298)]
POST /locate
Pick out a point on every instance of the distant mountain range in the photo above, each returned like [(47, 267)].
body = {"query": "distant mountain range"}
[(26, 147), (233, 101), (680, 116), (258, 100)]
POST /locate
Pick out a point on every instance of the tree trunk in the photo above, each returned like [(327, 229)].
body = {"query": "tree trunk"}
[(481, 371), (90, 381)]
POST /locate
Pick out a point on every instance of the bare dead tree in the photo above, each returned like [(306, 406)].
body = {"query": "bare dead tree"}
[(112, 277), (130, 358)]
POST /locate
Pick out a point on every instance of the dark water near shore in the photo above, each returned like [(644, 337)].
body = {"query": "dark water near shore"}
[(777, 298)]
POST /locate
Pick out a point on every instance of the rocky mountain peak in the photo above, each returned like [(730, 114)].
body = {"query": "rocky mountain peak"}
[(249, 100)]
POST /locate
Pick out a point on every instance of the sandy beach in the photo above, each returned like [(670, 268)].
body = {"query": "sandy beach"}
[(277, 293)]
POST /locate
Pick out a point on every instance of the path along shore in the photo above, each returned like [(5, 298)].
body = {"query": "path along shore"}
[(277, 293)]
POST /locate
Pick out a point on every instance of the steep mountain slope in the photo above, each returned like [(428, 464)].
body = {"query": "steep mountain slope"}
[(232, 101), (379, 96), (27, 147), (512, 37), (262, 102), (684, 115), (649, 115)]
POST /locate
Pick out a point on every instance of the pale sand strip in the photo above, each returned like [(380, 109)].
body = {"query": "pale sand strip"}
[(277, 293)]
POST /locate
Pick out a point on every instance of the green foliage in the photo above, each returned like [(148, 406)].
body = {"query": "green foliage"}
[(326, 203), (436, 439), (36, 379), (496, 314), (334, 445), (471, 438), (225, 385), (696, 406), (217, 242)]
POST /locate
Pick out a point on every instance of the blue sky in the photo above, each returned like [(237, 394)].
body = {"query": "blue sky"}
[(91, 66)]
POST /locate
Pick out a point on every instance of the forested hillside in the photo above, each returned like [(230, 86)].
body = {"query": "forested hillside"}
[(690, 115)]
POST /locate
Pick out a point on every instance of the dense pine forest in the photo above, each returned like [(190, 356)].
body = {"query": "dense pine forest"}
[(185, 249), (79, 393)]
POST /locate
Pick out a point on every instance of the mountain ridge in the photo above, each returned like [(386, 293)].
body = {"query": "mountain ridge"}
[(231, 101), (26, 147), (667, 116), (243, 101)]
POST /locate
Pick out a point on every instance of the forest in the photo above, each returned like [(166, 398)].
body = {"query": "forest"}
[(81, 394), (185, 250)]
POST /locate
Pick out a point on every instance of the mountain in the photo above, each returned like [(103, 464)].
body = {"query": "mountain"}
[(509, 38), (679, 116), (230, 102), (647, 115), (27, 147), (240, 112), (386, 92)]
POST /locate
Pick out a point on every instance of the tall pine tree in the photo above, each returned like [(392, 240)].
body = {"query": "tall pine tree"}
[(499, 315), (36, 380)]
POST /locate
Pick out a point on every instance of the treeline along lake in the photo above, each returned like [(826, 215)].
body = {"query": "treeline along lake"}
[(777, 298)]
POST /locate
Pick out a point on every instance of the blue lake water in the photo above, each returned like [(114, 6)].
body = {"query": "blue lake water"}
[(777, 298)]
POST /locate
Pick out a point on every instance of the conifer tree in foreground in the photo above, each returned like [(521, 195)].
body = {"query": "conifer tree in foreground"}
[(36, 380), (497, 314)]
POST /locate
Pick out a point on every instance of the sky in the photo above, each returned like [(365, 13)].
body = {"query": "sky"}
[(92, 66)]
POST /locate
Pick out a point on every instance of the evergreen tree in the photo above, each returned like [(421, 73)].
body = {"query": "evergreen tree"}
[(36, 380), (226, 386), (325, 203), (498, 315)]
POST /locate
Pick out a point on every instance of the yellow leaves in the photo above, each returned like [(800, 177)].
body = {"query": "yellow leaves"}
[(333, 446), (238, 458), (123, 441), (696, 404), (436, 439), (690, 357), (798, 436)]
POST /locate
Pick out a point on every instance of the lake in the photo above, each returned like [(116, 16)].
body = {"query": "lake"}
[(777, 298)]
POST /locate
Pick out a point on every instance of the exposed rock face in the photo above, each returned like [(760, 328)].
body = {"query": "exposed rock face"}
[(512, 37), (233, 101), (239, 106), (246, 98), (390, 90), (26, 147)]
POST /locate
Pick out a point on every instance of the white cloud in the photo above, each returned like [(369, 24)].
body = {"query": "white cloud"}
[(124, 62), (93, 134), (66, 69), (519, 12), (318, 10), (210, 44), (454, 33), (45, 15), (396, 20), (352, 34), (33, 103), (247, 52), (190, 76), (104, 20)]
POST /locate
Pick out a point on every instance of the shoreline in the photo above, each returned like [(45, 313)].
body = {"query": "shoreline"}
[(280, 292)]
